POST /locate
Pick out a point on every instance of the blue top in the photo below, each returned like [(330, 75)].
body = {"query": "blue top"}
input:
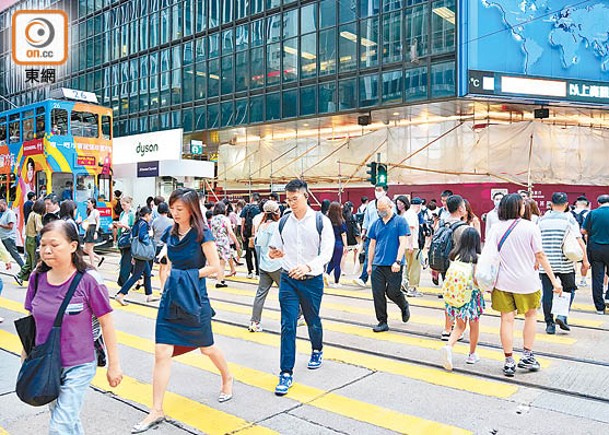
[(387, 239), (187, 253), (338, 231), (263, 239), (597, 226)]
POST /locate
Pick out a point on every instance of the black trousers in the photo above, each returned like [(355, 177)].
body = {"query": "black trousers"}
[(386, 283), (251, 258), (598, 255), (568, 285)]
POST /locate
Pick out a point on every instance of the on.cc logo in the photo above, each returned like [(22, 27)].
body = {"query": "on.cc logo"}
[(40, 37)]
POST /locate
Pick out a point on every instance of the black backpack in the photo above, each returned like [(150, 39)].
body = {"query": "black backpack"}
[(441, 245), (580, 217), (251, 210)]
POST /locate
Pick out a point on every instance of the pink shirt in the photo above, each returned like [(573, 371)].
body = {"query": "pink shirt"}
[(90, 297), (517, 272)]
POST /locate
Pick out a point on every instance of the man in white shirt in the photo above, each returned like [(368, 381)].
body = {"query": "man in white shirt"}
[(305, 243), (413, 260), (8, 232), (492, 217)]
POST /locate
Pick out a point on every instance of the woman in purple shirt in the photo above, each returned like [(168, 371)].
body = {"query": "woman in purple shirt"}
[(62, 258)]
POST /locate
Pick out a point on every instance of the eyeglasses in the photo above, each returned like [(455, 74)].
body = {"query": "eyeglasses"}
[(293, 198)]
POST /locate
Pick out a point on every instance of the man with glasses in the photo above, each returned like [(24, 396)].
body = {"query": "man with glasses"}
[(305, 243)]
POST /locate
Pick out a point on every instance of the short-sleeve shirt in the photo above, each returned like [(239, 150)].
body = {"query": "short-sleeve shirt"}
[(8, 217), (597, 226), (387, 236), (159, 225), (339, 230), (186, 253), (517, 272), (554, 226), (90, 298), (412, 219)]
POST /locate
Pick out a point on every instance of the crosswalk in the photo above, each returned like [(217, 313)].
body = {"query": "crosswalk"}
[(213, 418)]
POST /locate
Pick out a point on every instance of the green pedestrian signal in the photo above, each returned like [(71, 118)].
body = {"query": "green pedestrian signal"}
[(381, 175), (371, 173)]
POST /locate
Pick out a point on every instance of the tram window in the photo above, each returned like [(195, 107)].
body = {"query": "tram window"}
[(105, 186), (12, 187), (63, 186), (14, 129), (41, 184), (84, 124), (28, 129), (40, 126), (85, 188), (59, 121), (3, 185), (2, 131), (106, 127)]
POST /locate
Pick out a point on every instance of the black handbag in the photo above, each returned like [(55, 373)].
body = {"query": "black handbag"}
[(124, 241), (26, 327), (39, 379)]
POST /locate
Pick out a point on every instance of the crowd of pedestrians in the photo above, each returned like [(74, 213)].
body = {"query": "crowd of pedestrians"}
[(383, 241)]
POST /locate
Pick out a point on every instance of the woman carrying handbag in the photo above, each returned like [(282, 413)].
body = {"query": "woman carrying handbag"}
[(62, 263)]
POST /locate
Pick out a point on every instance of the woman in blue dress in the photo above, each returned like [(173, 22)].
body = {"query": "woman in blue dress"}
[(184, 319)]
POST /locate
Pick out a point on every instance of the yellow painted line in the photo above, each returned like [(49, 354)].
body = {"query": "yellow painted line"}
[(180, 408), (426, 374), (391, 337), (335, 403), (3, 431)]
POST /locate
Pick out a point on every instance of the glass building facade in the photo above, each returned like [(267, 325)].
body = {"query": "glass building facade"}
[(211, 64)]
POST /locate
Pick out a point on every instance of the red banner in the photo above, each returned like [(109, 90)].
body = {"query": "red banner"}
[(33, 147), (103, 212), (85, 161)]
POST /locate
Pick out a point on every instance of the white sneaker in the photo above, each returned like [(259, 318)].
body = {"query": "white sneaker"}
[(1, 319), (250, 275), (335, 285), (359, 282), (583, 283), (255, 327), (447, 358), (472, 358)]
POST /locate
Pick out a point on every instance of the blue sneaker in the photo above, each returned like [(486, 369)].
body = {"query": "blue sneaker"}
[(316, 360), (285, 382)]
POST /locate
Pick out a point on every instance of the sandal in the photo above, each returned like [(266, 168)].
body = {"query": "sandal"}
[(225, 397), (143, 427)]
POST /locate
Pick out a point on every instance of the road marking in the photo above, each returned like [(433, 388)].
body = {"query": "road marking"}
[(335, 403), (430, 375), (418, 302), (3, 431), (180, 408), (392, 337)]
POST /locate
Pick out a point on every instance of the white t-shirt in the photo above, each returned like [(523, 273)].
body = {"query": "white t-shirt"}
[(517, 272), (413, 222)]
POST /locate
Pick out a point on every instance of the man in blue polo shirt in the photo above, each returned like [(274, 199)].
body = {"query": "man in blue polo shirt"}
[(388, 237), (596, 227)]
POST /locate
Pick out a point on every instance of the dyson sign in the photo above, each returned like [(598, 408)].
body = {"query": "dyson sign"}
[(156, 146)]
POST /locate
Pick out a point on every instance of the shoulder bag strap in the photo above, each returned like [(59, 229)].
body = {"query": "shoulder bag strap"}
[(67, 299), (507, 233)]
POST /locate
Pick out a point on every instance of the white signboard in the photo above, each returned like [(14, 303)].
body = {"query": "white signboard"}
[(147, 147)]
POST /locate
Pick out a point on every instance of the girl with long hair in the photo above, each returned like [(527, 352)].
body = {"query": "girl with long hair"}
[(91, 225), (354, 238), (340, 242), (184, 317)]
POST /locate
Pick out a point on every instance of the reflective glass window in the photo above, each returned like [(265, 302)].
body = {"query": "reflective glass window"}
[(241, 71), (176, 86), (273, 63), (443, 80), (273, 106), (227, 75), (289, 102), (213, 116), (241, 8), (308, 55), (227, 11), (327, 97), (214, 13), (416, 32), (200, 117), (443, 26), (228, 112), (327, 13), (241, 37), (213, 83), (273, 28), (308, 100), (143, 32), (154, 30), (308, 18), (347, 47), (228, 44), (290, 60), (257, 65), (177, 25), (272, 3), (256, 109), (189, 83), (59, 121), (347, 10), (327, 51), (258, 33), (392, 87), (290, 24), (187, 121), (256, 6), (392, 37), (347, 94), (369, 40), (188, 17), (153, 121), (214, 45), (164, 26), (415, 84), (368, 8), (201, 14), (241, 111), (369, 90)]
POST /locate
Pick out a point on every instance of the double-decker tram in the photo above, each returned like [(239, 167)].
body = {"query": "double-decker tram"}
[(62, 147)]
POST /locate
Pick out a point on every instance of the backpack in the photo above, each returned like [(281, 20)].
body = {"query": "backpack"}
[(441, 245), (251, 210), (319, 223), (580, 217), (458, 284)]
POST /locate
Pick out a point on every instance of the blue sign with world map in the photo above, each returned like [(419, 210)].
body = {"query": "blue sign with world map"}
[(557, 39)]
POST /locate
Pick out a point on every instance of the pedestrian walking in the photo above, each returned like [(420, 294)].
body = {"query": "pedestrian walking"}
[(67, 212), (354, 238), (388, 238), (304, 241), (159, 226), (461, 285), (270, 270), (222, 232), (28, 205), (192, 257), (141, 230), (8, 231), (124, 224), (596, 228), (518, 287), (91, 224), (581, 210), (555, 226), (32, 230), (412, 271), (52, 207), (340, 243), (62, 260), (247, 219)]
